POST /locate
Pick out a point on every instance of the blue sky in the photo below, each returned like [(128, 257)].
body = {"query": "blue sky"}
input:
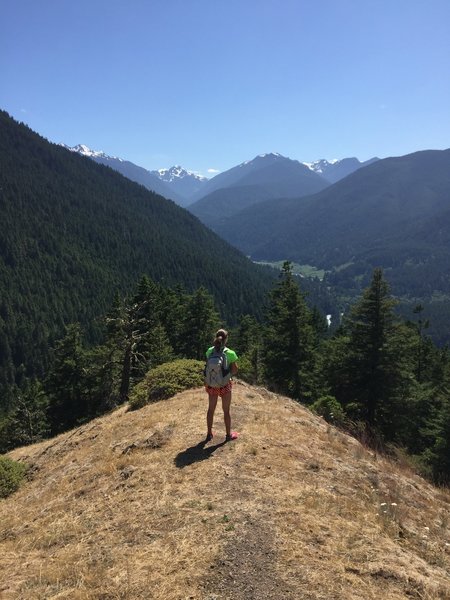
[(210, 83)]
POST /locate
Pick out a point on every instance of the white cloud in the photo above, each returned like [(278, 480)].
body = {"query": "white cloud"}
[(213, 171)]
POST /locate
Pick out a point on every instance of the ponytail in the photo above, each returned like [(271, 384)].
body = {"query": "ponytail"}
[(220, 339), (219, 342)]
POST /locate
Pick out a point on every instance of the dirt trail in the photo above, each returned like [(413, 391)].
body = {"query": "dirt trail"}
[(245, 568)]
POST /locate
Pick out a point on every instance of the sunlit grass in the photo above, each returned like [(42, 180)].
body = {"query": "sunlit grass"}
[(97, 521)]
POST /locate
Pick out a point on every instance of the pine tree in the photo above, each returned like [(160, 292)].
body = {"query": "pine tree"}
[(65, 382), (100, 381), (379, 364), (131, 329), (173, 312), (200, 321), (27, 422), (435, 419), (151, 341), (439, 453), (424, 344), (248, 342), (289, 339)]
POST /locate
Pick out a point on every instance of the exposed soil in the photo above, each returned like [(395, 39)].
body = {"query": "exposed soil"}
[(246, 570)]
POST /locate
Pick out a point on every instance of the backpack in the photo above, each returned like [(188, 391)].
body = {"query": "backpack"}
[(217, 372)]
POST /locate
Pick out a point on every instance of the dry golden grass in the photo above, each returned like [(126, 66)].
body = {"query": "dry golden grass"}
[(126, 507)]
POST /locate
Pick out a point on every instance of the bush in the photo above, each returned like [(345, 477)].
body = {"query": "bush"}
[(12, 474), (330, 409), (250, 367), (166, 380)]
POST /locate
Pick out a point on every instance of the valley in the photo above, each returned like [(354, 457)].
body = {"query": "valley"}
[(307, 271), (225, 300)]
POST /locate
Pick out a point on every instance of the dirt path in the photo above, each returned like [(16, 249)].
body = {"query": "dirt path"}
[(246, 568)]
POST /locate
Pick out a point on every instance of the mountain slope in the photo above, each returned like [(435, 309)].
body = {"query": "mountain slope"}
[(132, 506), (214, 209), (182, 182), (378, 208), (138, 174), (335, 170), (394, 214), (267, 177), (267, 169), (74, 233)]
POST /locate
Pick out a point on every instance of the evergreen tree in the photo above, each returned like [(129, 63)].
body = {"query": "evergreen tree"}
[(173, 312), (378, 360), (27, 422), (128, 329), (200, 321), (248, 342), (438, 454), (160, 349), (424, 344), (435, 419), (6, 370), (289, 339), (100, 380), (335, 369), (65, 382), (147, 328)]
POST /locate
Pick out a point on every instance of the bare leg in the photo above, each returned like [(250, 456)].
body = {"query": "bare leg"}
[(210, 414), (226, 403)]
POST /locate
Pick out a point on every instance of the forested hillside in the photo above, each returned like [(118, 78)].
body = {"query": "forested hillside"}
[(140, 175), (394, 214), (73, 233), (82, 326), (377, 377)]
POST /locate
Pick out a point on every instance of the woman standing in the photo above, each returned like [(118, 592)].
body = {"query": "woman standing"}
[(221, 365)]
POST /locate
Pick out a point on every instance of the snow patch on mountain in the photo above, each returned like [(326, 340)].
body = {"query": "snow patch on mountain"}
[(267, 155), (319, 166), (86, 151), (177, 172)]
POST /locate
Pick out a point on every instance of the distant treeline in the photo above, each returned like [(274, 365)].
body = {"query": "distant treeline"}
[(377, 376)]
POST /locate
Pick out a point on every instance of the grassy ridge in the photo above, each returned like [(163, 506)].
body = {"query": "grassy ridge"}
[(131, 506)]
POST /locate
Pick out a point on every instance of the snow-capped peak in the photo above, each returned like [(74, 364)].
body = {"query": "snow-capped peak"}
[(177, 172), (86, 151), (267, 155), (319, 166)]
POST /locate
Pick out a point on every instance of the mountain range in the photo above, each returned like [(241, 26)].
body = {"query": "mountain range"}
[(267, 177), (393, 213), (151, 180), (270, 171), (185, 183), (388, 202), (335, 170)]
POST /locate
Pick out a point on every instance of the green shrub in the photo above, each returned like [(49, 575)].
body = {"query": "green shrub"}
[(11, 476), (250, 366), (330, 409), (166, 380)]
